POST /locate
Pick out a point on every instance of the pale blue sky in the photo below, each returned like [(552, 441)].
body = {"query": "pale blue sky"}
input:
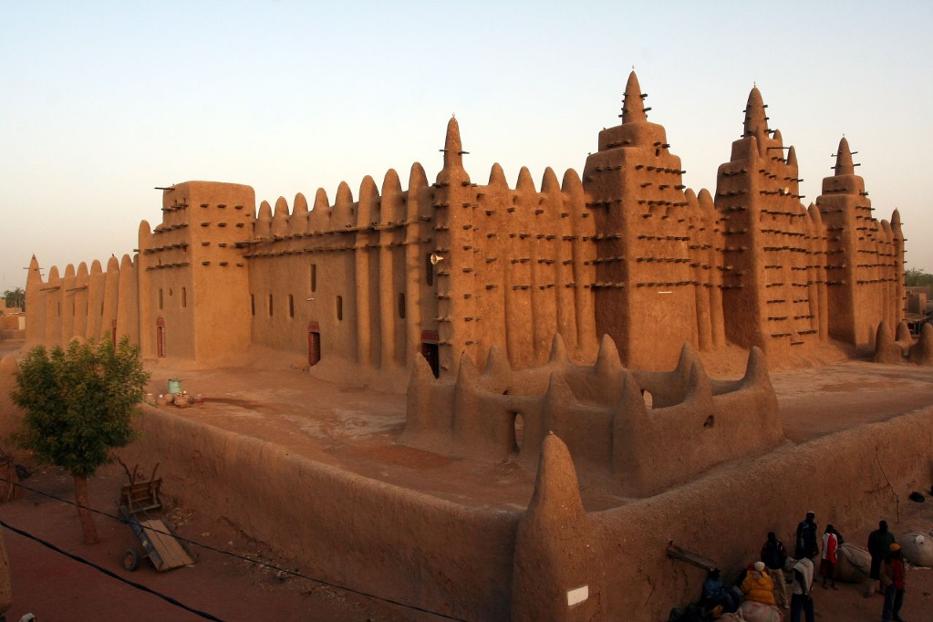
[(99, 102)]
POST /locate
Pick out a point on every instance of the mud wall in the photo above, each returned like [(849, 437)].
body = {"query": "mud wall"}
[(773, 286), (439, 555), (10, 414), (192, 299), (864, 256), (646, 297), (84, 303), (727, 514), (352, 275), (512, 268), (345, 528), (600, 413)]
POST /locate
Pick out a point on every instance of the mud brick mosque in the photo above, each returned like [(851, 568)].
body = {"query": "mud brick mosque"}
[(583, 308), (453, 267)]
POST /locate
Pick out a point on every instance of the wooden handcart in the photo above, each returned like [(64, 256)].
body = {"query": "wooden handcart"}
[(139, 505)]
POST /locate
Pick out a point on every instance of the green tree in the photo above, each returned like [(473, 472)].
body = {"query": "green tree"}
[(78, 404), (917, 277), (15, 297)]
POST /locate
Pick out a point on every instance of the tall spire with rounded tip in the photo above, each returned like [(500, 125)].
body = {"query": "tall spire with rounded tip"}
[(844, 164), (755, 117), (453, 148), (633, 108)]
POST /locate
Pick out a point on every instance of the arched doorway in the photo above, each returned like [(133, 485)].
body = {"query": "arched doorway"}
[(160, 337), (314, 343)]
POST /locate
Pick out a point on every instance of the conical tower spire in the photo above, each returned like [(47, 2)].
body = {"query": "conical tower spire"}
[(633, 108), (755, 118), (844, 164), (453, 148)]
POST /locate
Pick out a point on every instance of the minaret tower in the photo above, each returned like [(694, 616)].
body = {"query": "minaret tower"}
[(644, 283), (770, 299), (454, 201), (861, 256)]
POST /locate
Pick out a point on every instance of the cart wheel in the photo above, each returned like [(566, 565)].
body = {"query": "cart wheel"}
[(131, 560)]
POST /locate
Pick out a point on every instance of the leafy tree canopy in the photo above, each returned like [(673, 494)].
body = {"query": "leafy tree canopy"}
[(78, 402), (15, 297)]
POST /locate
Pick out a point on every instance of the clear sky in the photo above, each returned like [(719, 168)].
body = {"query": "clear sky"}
[(101, 101)]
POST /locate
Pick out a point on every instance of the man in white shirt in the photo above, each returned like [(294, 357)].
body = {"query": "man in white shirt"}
[(801, 600)]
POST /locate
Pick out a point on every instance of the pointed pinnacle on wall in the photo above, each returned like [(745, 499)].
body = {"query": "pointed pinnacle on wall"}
[(633, 107)]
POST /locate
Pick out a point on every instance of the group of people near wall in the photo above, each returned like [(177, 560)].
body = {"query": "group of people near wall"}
[(779, 581)]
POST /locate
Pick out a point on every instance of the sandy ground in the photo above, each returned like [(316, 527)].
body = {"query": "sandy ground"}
[(57, 589), (356, 428), (847, 604)]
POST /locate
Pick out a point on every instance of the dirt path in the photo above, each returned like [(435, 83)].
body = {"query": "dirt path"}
[(58, 589)]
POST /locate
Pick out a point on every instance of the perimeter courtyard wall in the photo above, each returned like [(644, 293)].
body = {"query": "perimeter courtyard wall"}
[(342, 527), (434, 554)]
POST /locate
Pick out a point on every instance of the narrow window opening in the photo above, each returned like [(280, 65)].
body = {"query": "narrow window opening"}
[(428, 270), (518, 432), (270, 305), (161, 300), (184, 297), (291, 305), (252, 304), (314, 277), (401, 306), (339, 307)]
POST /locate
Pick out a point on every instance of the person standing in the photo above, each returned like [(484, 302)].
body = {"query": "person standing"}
[(774, 557), (879, 547), (894, 579), (801, 600), (829, 557), (806, 545)]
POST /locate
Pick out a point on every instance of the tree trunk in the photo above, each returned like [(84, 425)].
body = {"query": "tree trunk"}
[(87, 520)]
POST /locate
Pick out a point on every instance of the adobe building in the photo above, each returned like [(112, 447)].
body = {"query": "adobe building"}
[(457, 267)]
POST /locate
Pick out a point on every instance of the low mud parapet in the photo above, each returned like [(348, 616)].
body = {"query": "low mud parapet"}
[(336, 525), (458, 560), (850, 479)]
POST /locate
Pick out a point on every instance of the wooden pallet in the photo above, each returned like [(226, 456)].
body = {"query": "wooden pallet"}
[(162, 548)]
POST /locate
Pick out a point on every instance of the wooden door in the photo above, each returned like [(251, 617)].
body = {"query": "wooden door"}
[(314, 348), (160, 338)]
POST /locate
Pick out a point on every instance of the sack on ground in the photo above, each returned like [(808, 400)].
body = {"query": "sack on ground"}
[(757, 612), (918, 548), (854, 563)]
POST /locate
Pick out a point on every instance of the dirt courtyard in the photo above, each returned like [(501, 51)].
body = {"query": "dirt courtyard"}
[(356, 428)]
